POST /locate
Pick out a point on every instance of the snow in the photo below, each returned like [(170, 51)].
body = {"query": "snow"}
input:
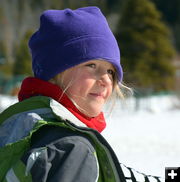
[(144, 133), (147, 138), (6, 101)]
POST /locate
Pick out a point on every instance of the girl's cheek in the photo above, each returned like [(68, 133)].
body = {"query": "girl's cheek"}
[(87, 75)]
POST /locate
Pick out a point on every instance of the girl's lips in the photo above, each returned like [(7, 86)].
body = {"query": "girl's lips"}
[(98, 95)]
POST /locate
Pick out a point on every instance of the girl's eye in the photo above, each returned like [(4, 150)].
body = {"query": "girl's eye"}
[(92, 65), (111, 72)]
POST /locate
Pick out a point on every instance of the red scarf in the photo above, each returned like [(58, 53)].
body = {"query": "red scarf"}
[(33, 87)]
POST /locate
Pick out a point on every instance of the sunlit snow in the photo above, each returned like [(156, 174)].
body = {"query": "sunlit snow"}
[(146, 138)]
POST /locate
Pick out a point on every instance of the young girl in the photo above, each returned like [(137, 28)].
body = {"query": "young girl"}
[(53, 133)]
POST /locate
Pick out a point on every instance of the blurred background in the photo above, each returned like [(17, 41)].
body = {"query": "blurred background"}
[(147, 32)]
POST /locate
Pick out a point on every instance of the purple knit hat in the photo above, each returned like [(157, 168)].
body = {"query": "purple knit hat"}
[(69, 37)]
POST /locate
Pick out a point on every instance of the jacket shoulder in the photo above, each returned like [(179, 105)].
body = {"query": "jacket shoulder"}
[(62, 154), (25, 106)]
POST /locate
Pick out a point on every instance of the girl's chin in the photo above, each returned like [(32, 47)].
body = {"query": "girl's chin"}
[(91, 109), (91, 113)]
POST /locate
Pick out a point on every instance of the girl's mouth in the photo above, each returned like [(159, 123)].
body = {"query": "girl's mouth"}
[(98, 95)]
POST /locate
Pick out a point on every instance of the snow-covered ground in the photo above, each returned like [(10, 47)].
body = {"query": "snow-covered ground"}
[(144, 133), (147, 139), (6, 101)]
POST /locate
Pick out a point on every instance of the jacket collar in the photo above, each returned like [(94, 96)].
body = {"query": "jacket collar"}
[(62, 112), (33, 87)]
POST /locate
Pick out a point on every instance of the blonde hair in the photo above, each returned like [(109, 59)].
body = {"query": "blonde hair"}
[(120, 90)]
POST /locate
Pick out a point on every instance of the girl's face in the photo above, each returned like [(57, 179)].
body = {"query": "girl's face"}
[(89, 85)]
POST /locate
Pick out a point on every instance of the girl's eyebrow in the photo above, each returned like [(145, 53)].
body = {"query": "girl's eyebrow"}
[(95, 62), (90, 62), (112, 67)]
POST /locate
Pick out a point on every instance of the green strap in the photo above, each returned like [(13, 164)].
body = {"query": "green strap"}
[(10, 154), (11, 176), (20, 171), (17, 173)]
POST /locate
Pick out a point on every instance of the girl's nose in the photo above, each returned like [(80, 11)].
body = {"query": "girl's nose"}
[(104, 79)]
